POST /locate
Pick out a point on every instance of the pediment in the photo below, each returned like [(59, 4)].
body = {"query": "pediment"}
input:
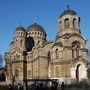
[(16, 50)]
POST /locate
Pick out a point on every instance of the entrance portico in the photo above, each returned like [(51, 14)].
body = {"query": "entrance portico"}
[(79, 72)]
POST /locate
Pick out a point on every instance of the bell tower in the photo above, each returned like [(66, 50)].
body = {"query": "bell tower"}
[(20, 38), (68, 22)]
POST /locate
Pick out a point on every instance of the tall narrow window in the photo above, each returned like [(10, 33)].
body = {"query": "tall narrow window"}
[(60, 24), (74, 23), (21, 42), (57, 72), (66, 23), (77, 50), (49, 56), (57, 53)]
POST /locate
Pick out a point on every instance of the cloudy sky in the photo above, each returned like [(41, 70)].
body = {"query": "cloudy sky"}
[(14, 13)]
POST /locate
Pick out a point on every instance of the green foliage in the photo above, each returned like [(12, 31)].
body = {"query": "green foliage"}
[(1, 61), (88, 73), (3, 87)]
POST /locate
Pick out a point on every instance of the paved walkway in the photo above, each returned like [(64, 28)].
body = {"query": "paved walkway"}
[(76, 88)]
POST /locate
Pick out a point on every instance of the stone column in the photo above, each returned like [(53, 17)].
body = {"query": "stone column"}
[(71, 23), (49, 71), (73, 72)]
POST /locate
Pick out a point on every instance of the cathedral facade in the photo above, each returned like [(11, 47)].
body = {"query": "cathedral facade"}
[(32, 56)]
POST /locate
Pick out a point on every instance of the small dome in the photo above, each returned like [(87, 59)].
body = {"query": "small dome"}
[(69, 11), (20, 29), (36, 27)]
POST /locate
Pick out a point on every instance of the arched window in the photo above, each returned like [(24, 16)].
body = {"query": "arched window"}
[(57, 53), (29, 74), (21, 42), (60, 24), (21, 34), (49, 57), (38, 43), (75, 49), (66, 23), (74, 23), (57, 72), (35, 33)]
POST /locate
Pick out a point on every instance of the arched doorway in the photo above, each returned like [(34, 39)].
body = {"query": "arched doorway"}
[(79, 72), (2, 77)]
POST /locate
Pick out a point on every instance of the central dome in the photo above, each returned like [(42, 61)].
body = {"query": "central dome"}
[(38, 34), (35, 27), (69, 11), (36, 30)]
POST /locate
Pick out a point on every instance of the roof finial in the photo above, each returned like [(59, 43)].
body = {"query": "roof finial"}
[(34, 21), (20, 24), (68, 7)]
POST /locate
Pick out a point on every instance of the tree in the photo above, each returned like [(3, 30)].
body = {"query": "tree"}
[(88, 71), (88, 64), (1, 61)]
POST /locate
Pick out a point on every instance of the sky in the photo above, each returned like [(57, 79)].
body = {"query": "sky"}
[(14, 13)]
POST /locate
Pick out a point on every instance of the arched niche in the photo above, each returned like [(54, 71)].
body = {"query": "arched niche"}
[(75, 49)]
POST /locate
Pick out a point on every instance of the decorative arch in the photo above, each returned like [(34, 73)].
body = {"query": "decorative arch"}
[(58, 44), (49, 56), (66, 23), (80, 71), (21, 42), (76, 44), (79, 63), (57, 53)]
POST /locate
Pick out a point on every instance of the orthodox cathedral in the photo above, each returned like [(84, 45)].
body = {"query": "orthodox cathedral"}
[(32, 56)]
